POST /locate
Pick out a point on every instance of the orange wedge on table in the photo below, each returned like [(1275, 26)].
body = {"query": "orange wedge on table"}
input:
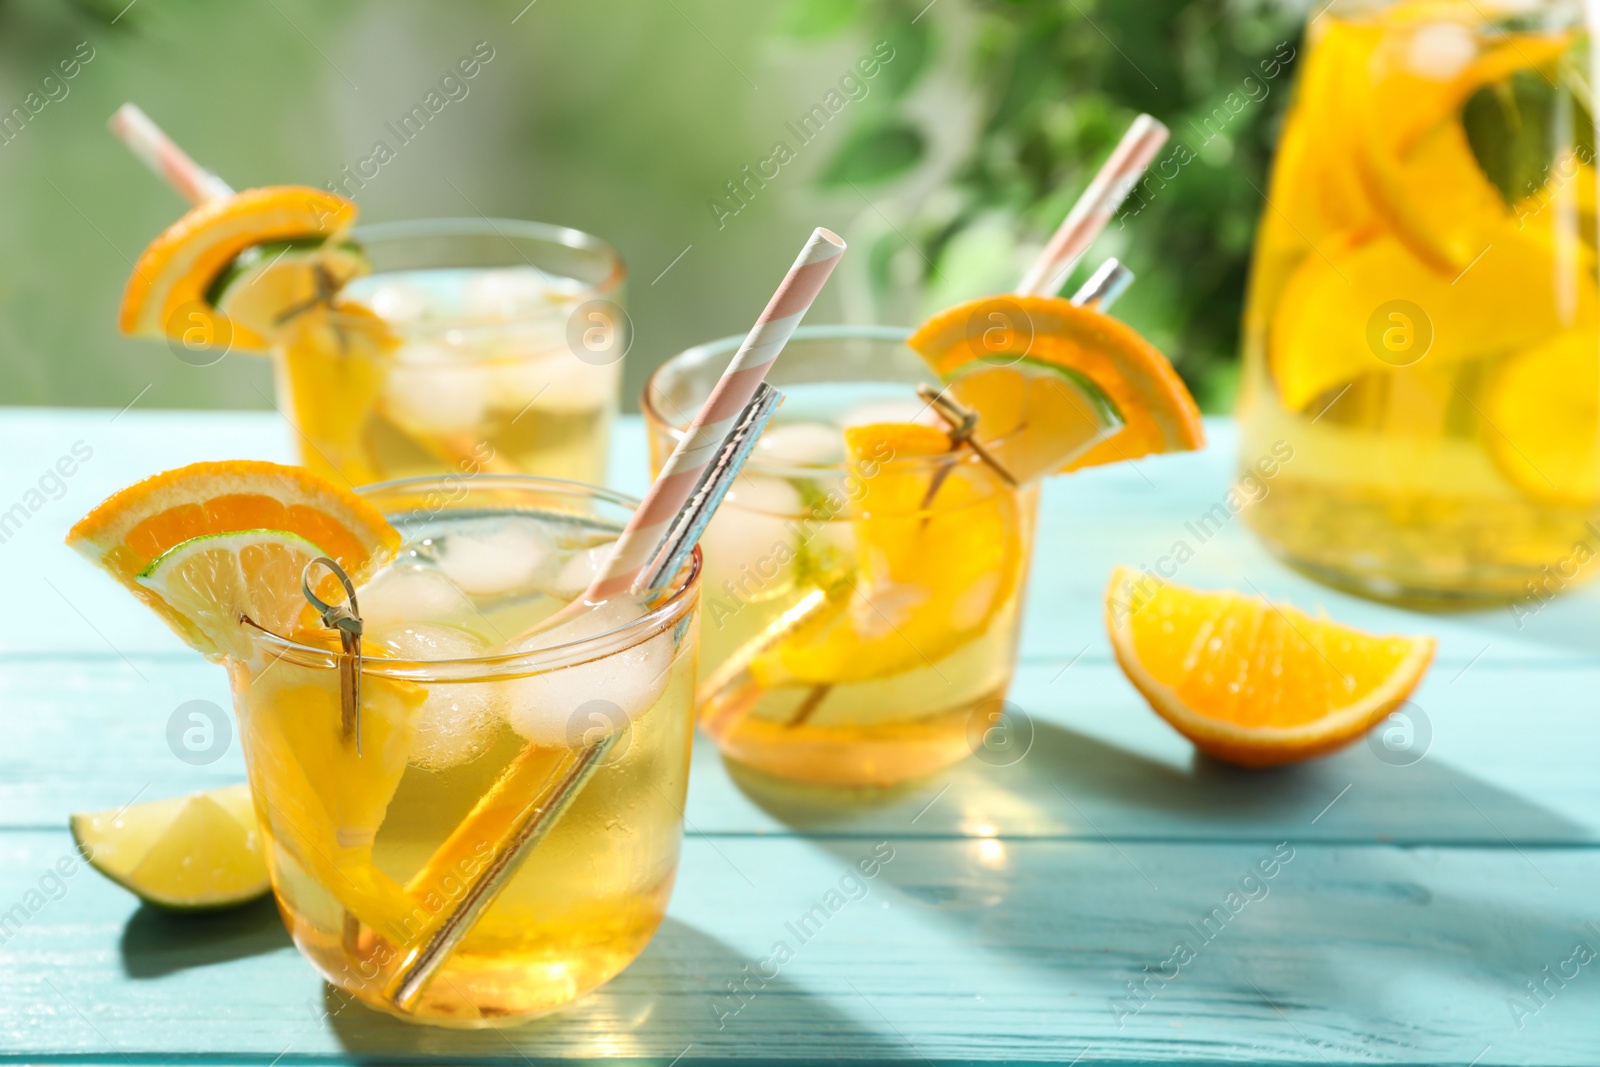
[(171, 290), (1157, 412), (1255, 683), (146, 521)]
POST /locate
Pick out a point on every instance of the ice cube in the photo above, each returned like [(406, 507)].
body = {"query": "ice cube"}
[(404, 593), (506, 292), (523, 359), (579, 571), (908, 409), (433, 389), (555, 381), (394, 298), (972, 605), (1441, 50), (753, 537), (804, 444), (457, 720), (755, 494), (579, 705), (495, 558), (880, 608)]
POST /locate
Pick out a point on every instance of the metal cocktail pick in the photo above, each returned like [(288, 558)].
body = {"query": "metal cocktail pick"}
[(346, 619)]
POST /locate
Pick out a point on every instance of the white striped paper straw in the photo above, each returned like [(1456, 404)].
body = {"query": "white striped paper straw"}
[(651, 522), (1094, 209), (162, 155)]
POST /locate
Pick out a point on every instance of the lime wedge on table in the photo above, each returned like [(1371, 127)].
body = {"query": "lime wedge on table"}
[(269, 284), (1033, 417), (187, 853), (215, 580)]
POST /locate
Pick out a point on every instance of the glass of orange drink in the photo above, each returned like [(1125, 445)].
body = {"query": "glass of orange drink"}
[(389, 783), (864, 576), (1422, 320), (463, 345), (455, 346)]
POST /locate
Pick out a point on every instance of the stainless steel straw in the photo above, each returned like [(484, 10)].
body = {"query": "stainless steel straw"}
[(1109, 281)]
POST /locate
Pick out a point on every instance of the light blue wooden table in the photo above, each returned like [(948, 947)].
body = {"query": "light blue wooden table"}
[(1420, 899)]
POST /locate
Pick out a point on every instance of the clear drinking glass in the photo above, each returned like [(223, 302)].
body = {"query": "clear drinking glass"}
[(1422, 338), (374, 832), (860, 631), (497, 346)]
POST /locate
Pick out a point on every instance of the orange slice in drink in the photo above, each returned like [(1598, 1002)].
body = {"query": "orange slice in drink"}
[(1315, 191), (1157, 411), (932, 567), (332, 370), (1415, 160), (1369, 305), (1250, 682), (127, 532), (1542, 419), (170, 291)]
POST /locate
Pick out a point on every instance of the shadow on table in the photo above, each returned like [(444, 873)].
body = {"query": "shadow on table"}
[(157, 943), (1119, 856), (1567, 622), (1075, 785), (656, 1009)]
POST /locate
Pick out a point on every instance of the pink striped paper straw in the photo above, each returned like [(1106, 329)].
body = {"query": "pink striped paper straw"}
[(171, 163), (1093, 210), (642, 536)]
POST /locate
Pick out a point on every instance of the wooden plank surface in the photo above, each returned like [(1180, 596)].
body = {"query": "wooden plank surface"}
[(1025, 892)]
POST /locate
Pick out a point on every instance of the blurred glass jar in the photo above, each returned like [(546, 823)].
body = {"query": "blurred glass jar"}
[(1421, 335)]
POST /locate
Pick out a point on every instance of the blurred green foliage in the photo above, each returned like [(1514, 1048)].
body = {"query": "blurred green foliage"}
[(630, 119), (1050, 86)]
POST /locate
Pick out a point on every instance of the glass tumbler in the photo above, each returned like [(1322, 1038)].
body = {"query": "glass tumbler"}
[(375, 832), (862, 605)]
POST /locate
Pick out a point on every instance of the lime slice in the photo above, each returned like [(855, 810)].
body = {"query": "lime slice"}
[(1033, 417), (266, 286), (189, 853), (217, 580)]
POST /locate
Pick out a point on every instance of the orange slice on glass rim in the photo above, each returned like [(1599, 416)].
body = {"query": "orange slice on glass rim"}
[(1255, 683), (176, 279), (135, 527), (1157, 411)]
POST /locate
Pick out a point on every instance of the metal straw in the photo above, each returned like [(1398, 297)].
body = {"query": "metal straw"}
[(681, 537), (414, 973), (1104, 287)]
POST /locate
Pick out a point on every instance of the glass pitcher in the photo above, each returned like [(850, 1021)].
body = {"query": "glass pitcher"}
[(1421, 330)]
